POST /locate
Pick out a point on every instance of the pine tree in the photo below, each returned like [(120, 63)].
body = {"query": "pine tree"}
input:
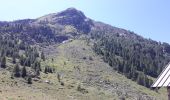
[(50, 70), (22, 60), (42, 56), (46, 70), (134, 73), (3, 62), (37, 72), (58, 77), (13, 59), (3, 53), (27, 62), (24, 72), (36, 66), (29, 80), (141, 79), (17, 71)]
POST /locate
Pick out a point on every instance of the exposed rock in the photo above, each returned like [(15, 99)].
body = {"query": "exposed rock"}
[(70, 16)]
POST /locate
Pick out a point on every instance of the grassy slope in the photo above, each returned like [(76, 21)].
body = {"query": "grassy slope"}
[(96, 74), (72, 61)]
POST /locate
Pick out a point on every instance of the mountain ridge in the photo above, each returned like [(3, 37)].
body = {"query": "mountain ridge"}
[(80, 22), (95, 55)]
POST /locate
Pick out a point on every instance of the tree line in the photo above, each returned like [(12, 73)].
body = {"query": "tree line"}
[(137, 59), (23, 57)]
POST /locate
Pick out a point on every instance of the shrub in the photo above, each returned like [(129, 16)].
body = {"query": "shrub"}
[(82, 90), (29, 80)]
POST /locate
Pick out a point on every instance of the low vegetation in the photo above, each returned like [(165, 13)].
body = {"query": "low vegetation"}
[(25, 58), (135, 58), (61, 57)]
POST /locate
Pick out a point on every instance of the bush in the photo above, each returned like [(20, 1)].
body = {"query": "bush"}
[(58, 77), (90, 58), (84, 58), (82, 90), (62, 83), (29, 80), (48, 70)]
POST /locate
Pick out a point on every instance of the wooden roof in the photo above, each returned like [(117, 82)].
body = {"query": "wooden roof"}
[(163, 79)]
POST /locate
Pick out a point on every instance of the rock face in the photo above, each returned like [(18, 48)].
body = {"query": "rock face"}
[(75, 18), (70, 16)]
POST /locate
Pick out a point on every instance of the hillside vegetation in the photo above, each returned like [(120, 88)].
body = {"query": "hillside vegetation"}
[(67, 56), (135, 58)]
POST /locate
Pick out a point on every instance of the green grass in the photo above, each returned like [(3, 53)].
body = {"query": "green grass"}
[(70, 55), (75, 71)]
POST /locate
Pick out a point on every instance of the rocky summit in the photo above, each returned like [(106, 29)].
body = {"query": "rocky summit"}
[(70, 16)]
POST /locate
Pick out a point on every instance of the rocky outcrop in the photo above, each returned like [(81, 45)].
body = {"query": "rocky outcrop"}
[(70, 16)]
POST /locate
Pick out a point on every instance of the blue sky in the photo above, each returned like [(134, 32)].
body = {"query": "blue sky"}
[(148, 18)]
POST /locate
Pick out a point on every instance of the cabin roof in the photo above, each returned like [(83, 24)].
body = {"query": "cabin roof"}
[(163, 79)]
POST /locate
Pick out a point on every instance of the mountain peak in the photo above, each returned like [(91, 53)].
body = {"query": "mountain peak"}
[(70, 16), (71, 12)]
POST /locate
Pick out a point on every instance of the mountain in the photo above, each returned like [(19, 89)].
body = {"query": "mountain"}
[(67, 55), (53, 25), (71, 16)]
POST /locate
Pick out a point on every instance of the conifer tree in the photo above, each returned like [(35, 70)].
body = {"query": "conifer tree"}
[(37, 71), (22, 60), (46, 70), (24, 72), (17, 71), (3, 62), (29, 80), (13, 59), (42, 56), (141, 79)]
